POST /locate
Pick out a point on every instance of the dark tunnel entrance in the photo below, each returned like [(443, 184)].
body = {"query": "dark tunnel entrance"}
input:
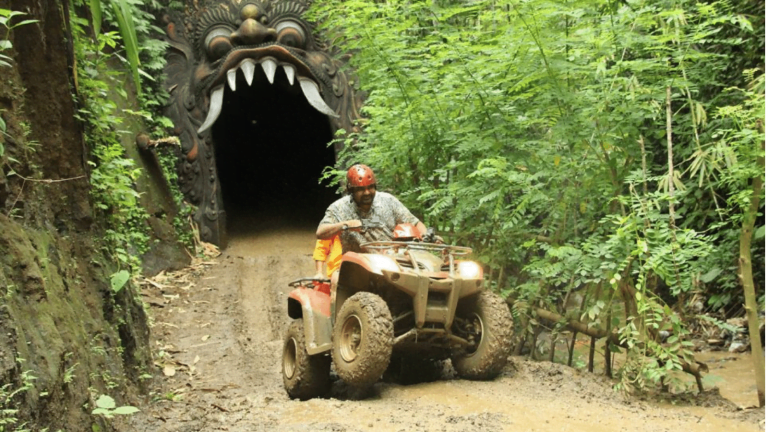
[(271, 147)]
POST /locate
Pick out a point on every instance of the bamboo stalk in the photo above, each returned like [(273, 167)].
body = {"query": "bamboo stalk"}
[(607, 353), (748, 283), (671, 163)]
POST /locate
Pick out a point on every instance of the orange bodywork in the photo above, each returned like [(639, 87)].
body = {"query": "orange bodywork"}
[(317, 299), (313, 306)]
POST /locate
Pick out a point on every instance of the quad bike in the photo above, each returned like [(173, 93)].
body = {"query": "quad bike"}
[(406, 300)]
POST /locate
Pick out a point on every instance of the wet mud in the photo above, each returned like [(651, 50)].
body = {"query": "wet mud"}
[(217, 338)]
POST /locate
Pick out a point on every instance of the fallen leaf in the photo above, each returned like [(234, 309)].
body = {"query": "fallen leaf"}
[(197, 359), (205, 338), (169, 371)]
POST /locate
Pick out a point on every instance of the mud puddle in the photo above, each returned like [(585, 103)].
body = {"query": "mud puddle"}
[(217, 337)]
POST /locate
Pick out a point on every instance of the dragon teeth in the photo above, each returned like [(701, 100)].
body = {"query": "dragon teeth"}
[(217, 101), (269, 66), (232, 78), (312, 93), (249, 67), (309, 88), (290, 72)]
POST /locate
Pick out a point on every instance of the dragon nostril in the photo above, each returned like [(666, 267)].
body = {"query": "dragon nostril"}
[(252, 32), (270, 37)]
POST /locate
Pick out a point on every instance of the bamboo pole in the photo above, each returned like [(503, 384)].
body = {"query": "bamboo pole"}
[(748, 283)]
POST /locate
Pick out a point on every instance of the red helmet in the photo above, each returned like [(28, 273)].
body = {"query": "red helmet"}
[(360, 176), (406, 231)]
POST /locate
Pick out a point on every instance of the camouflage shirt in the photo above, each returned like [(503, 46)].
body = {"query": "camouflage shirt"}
[(385, 213)]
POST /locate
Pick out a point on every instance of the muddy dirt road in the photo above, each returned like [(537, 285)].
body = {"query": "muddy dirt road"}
[(217, 337)]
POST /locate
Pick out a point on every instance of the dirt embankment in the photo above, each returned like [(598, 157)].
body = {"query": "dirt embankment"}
[(65, 337), (218, 331)]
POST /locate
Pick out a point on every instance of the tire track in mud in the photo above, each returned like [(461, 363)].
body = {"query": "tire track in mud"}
[(222, 335)]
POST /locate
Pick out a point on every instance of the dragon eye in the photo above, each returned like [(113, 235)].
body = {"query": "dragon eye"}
[(291, 34), (217, 43)]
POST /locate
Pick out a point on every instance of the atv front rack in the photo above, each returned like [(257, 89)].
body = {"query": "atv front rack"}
[(447, 252), (303, 281), (443, 249)]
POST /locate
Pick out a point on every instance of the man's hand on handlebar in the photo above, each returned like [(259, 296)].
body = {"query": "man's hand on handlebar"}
[(353, 225), (432, 237)]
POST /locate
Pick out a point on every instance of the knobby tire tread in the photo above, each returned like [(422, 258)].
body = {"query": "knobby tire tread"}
[(491, 356), (312, 376), (375, 350)]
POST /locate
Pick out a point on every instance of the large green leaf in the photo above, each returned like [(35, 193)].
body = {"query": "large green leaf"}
[(119, 279), (96, 16), (105, 402), (125, 410), (124, 17)]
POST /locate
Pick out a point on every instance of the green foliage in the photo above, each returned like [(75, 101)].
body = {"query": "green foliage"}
[(153, 99), (123, 14), (118, 280), (114, 174), (105, 406), (95, 6), (536, 132), (6, 16), (8, 412), (128, 31)]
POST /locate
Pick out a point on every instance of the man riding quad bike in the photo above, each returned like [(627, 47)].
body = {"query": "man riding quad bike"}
[(407, 299)]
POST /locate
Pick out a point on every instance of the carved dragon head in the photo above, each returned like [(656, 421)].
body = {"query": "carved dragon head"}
[(245, 55)]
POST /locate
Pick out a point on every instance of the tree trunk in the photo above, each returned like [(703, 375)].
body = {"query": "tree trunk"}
[(747, 281), (575, 333), (535, 338)]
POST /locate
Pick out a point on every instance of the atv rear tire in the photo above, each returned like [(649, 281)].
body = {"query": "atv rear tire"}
[(486, 318), (304, 376), (363, 336)]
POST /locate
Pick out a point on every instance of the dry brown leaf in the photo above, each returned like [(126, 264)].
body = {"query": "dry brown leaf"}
[(169, 371), (205, 338), (166, 324)]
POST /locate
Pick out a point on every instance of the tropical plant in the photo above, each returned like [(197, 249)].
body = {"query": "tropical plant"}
[(574, 145)]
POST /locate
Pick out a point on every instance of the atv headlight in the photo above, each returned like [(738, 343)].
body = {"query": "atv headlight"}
[(383, 263), (470, 270)]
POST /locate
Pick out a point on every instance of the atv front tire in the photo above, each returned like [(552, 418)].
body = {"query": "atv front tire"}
[(485, 318), (363, 336), (304, 376)]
